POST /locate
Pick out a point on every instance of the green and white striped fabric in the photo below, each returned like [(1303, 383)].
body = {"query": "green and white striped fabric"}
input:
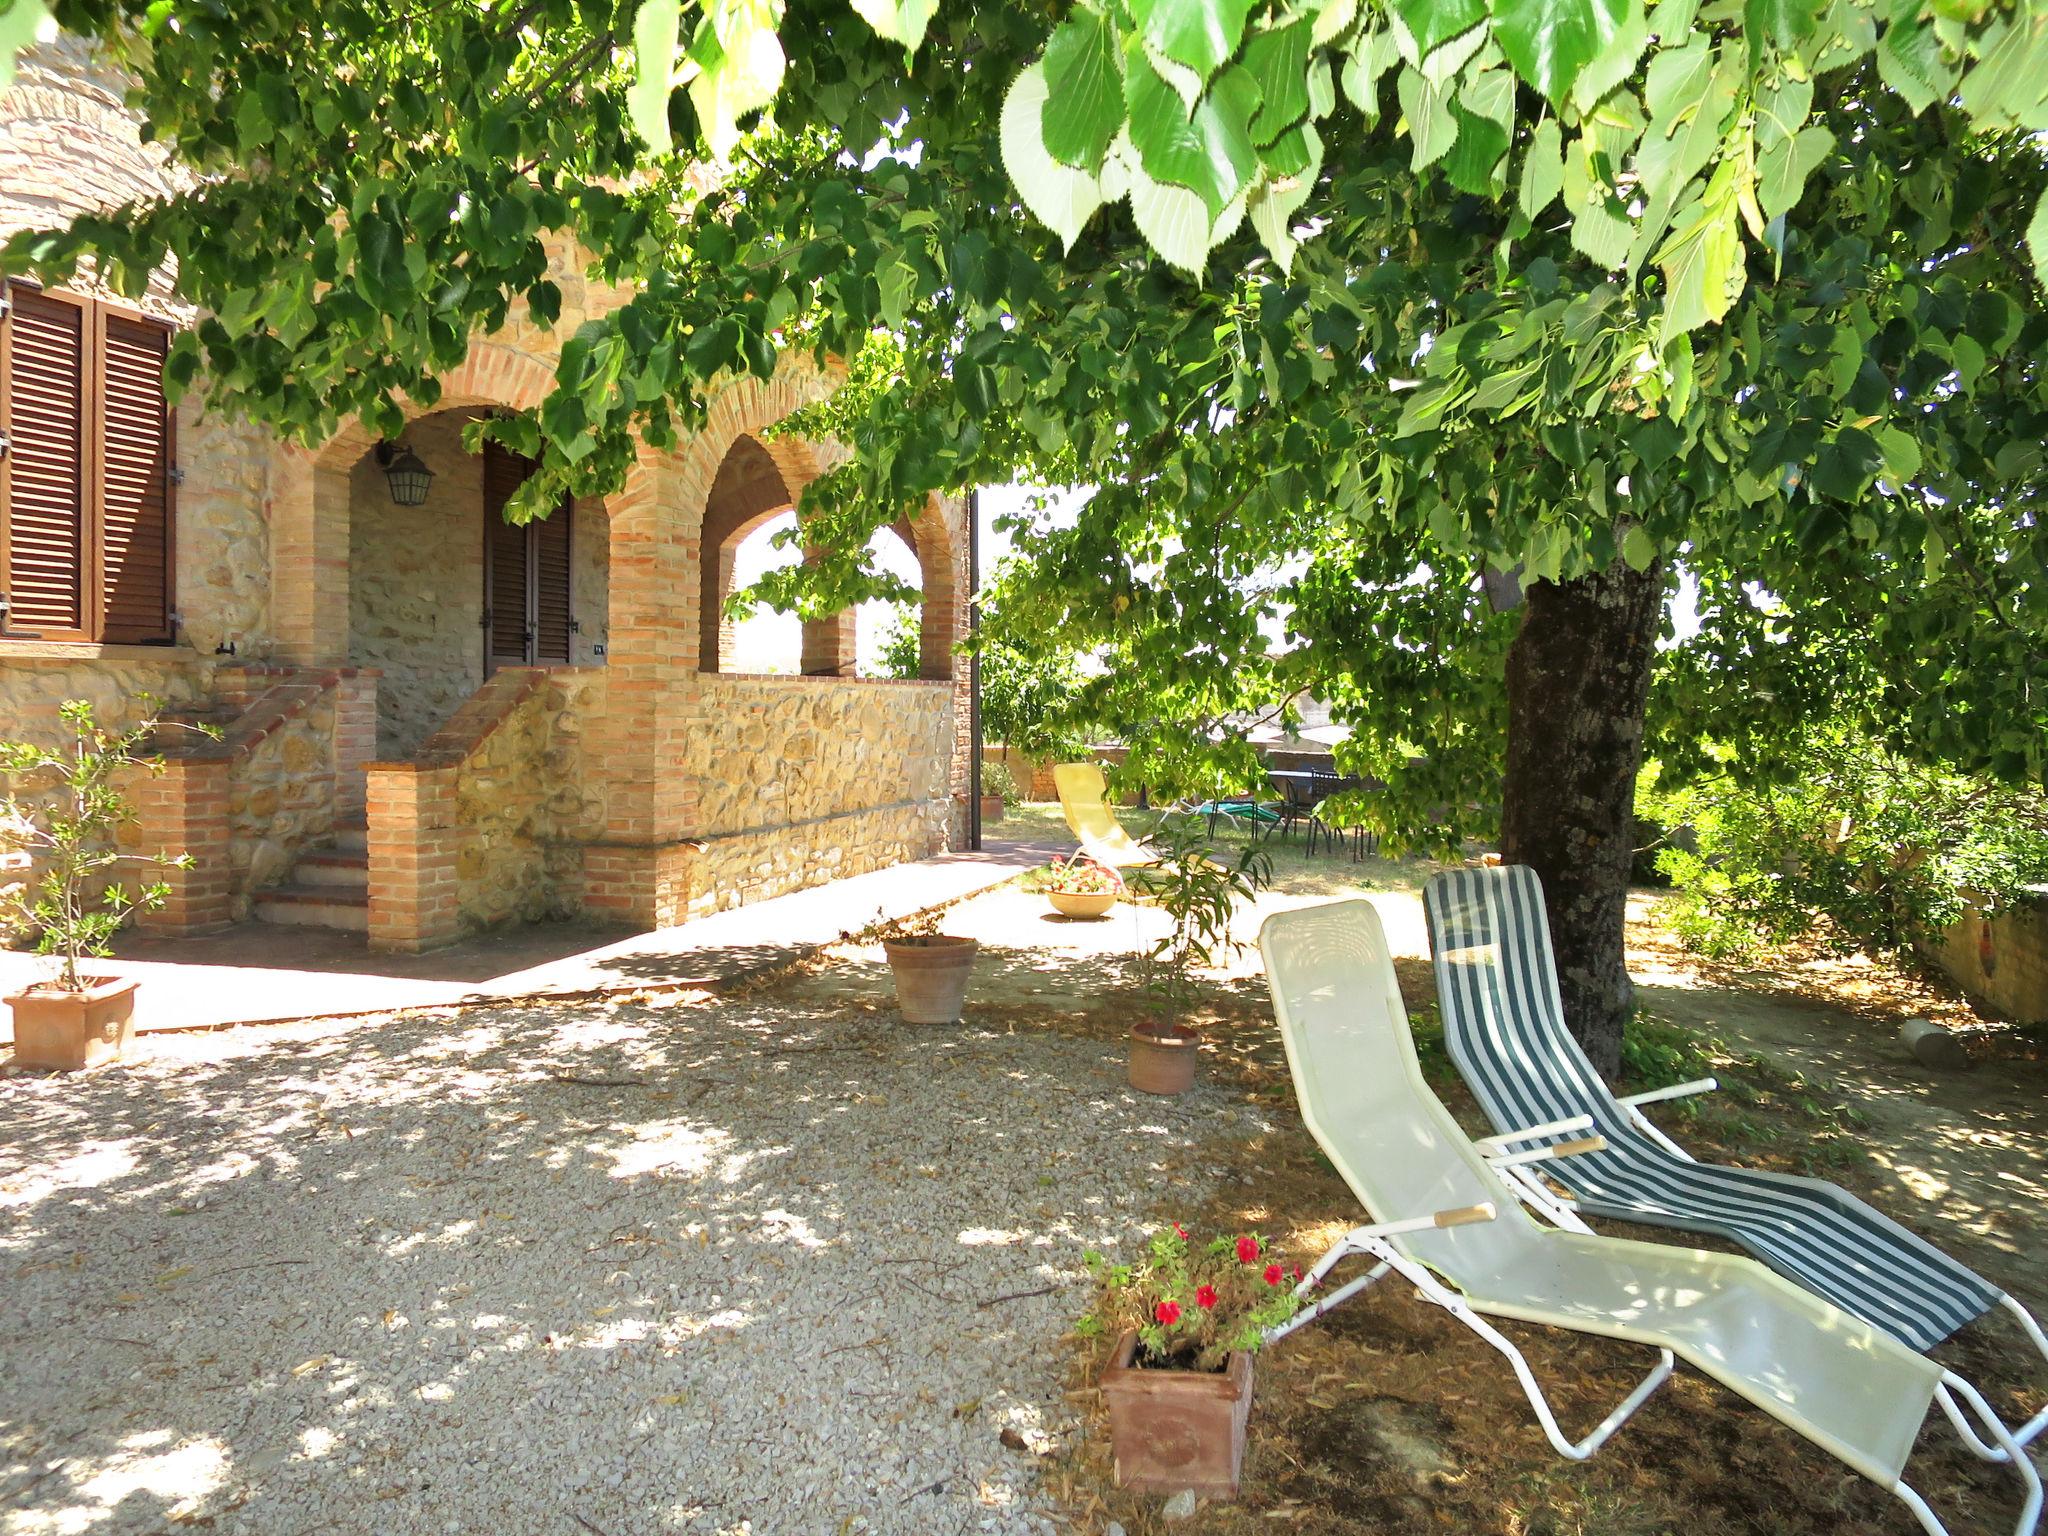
[(1505, 1028)]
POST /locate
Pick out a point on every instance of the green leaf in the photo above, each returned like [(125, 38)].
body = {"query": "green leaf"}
[(1274, 201), (1374, 54), (1614, 63), (1910, 59), (1702, 261), (1901, 453), (744, 71), (2037, 238), (656, 29), (1550, 41), (1277, 61), (1200, 34), (899, 21), (1784, 23), (1783, 168), (1174, 221), (1210, 153), (1083, 77), (1434, 22), (1638, 548), (22, 23), (1542, 168), (1060, 197), (1427, 107)]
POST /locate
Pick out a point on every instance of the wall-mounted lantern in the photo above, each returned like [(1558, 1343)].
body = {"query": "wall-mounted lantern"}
[(407, 473)]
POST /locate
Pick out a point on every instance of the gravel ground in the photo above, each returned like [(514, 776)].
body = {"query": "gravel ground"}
[(740, 1266)]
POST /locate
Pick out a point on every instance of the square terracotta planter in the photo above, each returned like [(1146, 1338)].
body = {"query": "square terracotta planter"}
[(1177, 1429), (61, 1031)]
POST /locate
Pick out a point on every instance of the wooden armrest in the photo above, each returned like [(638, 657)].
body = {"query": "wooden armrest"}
[(1463, 1215), (1549, 1154)]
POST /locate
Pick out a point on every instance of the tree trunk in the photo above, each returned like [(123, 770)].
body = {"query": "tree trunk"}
[(1578, 677)]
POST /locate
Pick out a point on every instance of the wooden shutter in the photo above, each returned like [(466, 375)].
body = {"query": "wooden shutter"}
[(551, 615), (507, 587), (44, 345), (136, 450)]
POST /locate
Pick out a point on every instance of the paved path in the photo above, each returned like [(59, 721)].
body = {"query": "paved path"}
[(258, 973)]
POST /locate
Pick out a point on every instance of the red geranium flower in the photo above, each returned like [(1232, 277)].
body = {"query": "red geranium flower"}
[(1275, 1274), (1168, 1312), (1180, 1231), (1205, 1297), (1248, 1250)]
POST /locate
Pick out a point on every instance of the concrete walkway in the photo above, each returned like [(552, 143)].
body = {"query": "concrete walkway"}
[(258, 973)]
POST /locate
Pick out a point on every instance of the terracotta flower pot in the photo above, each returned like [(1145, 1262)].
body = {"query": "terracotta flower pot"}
[(991, 808), (1171, 1430), (931, 976), (1081, 903), (63, 1031), (1162, 1058)]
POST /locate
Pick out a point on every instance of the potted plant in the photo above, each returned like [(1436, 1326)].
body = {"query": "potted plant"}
[(67, 825), (1078, 886), (998, 789), (1198, 896), (1179, 1380), (931, 970)]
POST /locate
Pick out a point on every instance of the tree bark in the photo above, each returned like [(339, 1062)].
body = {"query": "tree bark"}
[(1578, 681)]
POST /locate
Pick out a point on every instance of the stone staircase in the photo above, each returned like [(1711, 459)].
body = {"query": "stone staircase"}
[(328, 887)]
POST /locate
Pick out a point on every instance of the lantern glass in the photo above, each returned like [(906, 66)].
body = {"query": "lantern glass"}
[(408, 476)]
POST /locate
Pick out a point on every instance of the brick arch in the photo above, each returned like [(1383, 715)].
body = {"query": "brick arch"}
[(310, 501)]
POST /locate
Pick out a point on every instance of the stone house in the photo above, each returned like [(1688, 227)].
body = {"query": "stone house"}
[(430, 722)]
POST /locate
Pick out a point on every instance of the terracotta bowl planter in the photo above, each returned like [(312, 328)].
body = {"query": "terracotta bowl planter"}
[(991, 808), (931, 976), (1081, 903), (1171, 1430), (66, 1031), (1162, 1058)]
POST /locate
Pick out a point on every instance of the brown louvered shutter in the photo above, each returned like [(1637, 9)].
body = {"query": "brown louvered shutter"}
[(44, 345), (136, 450), (507, 595), (551, 615)]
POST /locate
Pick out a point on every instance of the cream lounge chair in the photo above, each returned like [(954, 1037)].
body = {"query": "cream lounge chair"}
[(1084, 801), (1847, 1386)]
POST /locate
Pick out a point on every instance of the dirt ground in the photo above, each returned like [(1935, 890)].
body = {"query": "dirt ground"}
[(1389, 1416)]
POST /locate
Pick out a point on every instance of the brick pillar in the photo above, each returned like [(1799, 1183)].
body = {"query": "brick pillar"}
[(355, 741), (309, 516), (184, 810), (830, 648), (414, 847)]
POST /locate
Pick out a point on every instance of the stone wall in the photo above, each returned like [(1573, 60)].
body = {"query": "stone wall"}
[(280, 794), (2001, 962), (520, 794), (807, 779), (416, 586)]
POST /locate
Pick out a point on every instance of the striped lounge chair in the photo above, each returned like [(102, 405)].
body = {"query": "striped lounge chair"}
[(1505, 1028), (1442, 1218)]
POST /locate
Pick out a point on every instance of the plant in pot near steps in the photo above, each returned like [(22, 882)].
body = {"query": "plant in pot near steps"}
[(1178, 1384), (931, 970), (64, 811), (1198, 895)]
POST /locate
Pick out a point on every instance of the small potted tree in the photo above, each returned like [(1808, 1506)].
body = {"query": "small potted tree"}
[(1198, 896), (1179, 1380), (998, 789), (64, 819), (931, 970)]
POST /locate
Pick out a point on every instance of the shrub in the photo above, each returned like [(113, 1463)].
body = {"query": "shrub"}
[(1859, 849), (996, 779), (1199, 896)]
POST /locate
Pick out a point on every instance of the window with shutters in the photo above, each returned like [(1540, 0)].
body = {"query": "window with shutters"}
[(527, 618), (87, 444)]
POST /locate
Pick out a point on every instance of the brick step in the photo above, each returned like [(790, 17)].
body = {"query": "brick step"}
[(346, 869), (314, 906), (351, 836)]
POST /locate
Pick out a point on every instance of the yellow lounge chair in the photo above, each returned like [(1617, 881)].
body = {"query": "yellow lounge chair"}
[(1084, 800)]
